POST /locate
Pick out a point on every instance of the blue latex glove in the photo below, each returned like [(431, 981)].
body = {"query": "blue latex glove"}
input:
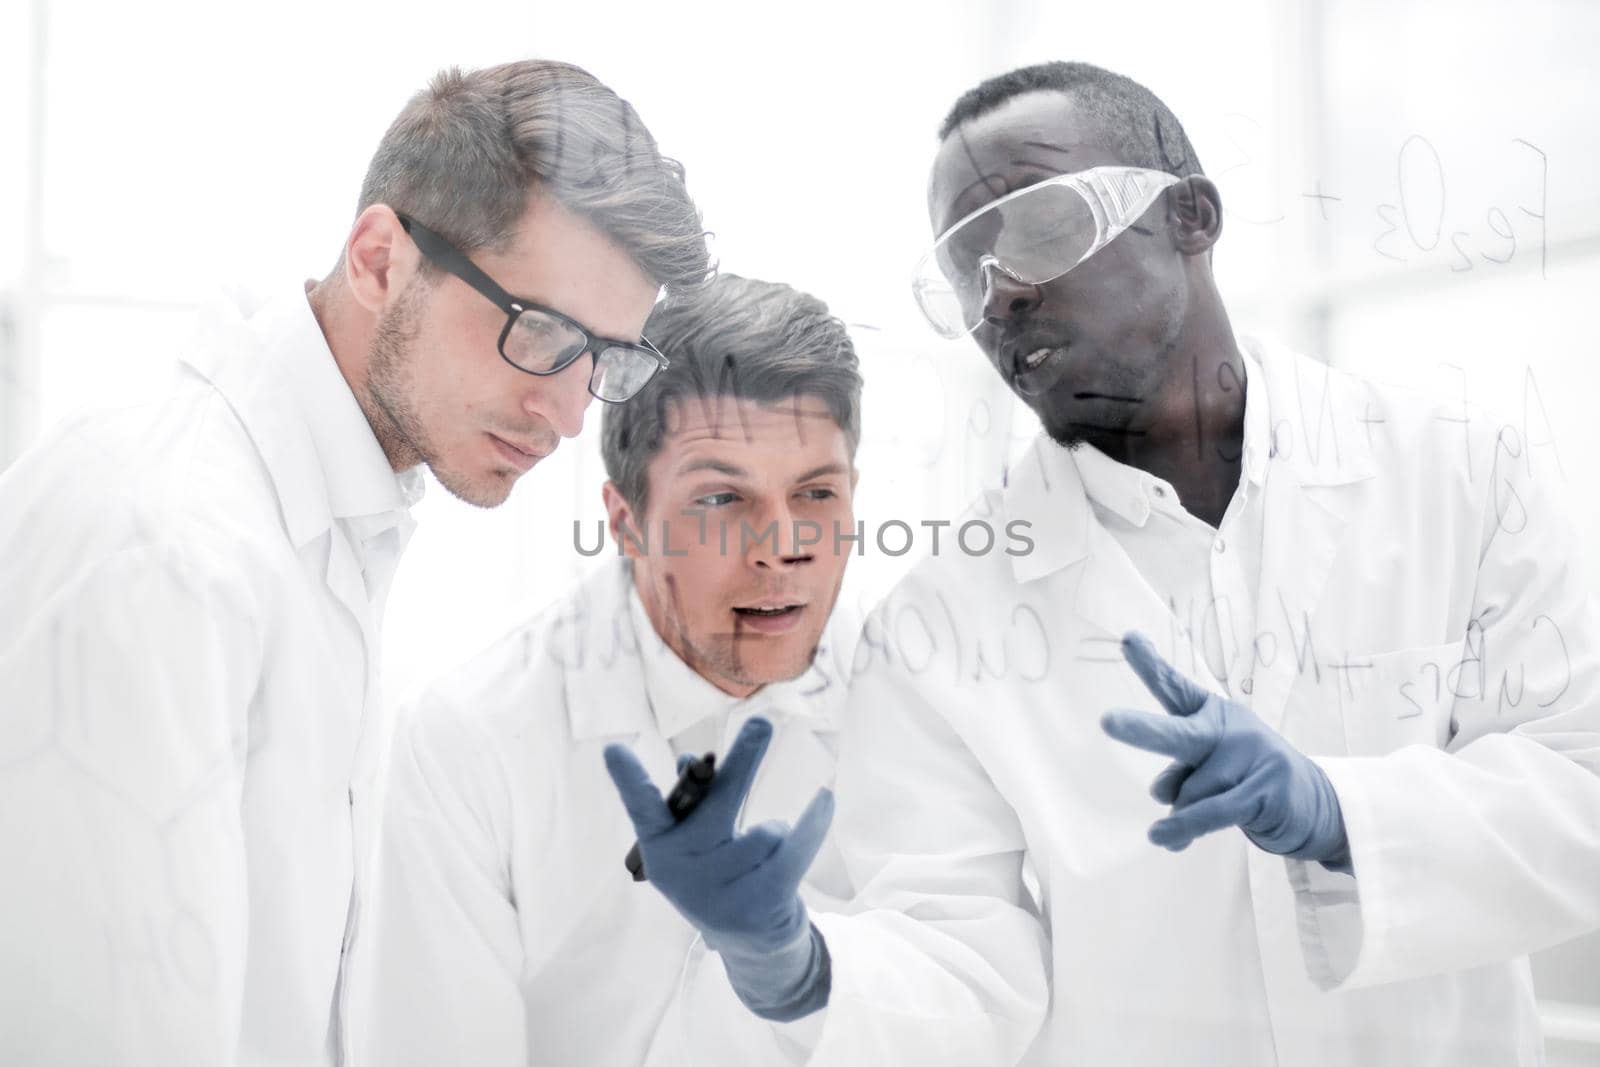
[(741, 890), (1229, 769)]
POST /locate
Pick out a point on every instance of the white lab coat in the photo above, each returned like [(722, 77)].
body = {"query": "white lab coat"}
[(505, 929), (187, 667), (1422, 630)]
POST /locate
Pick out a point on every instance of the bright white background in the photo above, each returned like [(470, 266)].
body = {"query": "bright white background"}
[(155, 153)]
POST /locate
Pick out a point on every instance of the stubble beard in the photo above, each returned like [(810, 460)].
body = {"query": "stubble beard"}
[(392, 391), (718, 654), (1072, 436), (721, 655), (391, 382)]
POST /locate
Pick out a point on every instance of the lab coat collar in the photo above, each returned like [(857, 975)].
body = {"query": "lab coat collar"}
[(1116, 487), (593, 639), (622, 680), (1045, 491), (279, 376), (1317, 429), (1257, 444)]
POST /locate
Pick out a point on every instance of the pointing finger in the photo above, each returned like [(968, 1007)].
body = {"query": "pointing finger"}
[(640, 797), (1176, 692), (736, 774)]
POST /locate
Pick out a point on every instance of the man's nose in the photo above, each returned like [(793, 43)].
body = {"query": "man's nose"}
[(781, 542), (1004, 296), (562, 398)]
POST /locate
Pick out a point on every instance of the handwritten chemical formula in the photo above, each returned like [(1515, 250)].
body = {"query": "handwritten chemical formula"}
[(1421, 217)]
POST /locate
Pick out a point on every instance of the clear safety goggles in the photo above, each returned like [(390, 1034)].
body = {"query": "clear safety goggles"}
[(1034, 235)]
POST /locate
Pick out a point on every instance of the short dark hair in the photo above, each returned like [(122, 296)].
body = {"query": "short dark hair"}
[(464, 154), (1142, 129), (738, 338)]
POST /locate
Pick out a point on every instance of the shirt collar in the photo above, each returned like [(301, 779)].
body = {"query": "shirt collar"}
[(1315, 422), (1131, 493), (1300, 415), (1043, 493), (614, 661), (1123, 490), (678, 696)]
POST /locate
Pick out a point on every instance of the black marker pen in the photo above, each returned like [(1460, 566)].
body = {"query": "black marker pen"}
[(684, 798)]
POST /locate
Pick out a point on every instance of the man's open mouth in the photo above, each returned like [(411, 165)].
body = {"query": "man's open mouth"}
[(1036, 359), (767, 620), (769, 613), (1036, 369)]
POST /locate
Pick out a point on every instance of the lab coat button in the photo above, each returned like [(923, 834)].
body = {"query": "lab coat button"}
[(1247, 686), (1221, 546)]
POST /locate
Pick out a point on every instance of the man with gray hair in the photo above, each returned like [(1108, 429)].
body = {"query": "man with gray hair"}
[(506, 929), (194, 588)]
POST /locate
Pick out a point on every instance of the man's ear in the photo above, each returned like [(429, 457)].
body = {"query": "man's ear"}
[(379, 258), (620, 517), (1194, 214)]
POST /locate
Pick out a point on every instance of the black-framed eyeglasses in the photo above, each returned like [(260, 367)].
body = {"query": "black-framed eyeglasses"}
[(542, 341)]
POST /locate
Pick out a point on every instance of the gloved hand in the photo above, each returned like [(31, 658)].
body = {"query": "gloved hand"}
[(741, 890), (1229, 769)]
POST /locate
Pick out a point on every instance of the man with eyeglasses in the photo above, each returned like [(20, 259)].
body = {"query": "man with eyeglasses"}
[(194, 588), (541, 340), (505, 928), (1339, 635)]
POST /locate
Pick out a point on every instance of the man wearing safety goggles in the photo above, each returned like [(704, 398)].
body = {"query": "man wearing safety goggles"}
[(1367, 708)]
